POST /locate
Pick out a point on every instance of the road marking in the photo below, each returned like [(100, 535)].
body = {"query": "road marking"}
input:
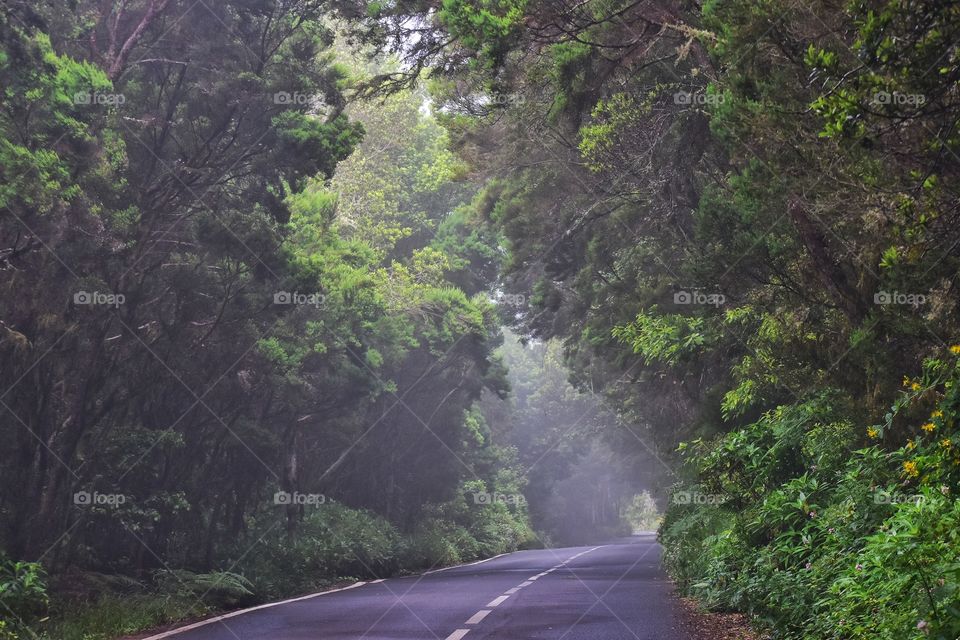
[(478, 616), (469, 564), (203, 623), (378, 581), (497, 601), (453, 636)]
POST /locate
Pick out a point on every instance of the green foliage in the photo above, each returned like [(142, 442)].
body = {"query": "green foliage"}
[(332, 542), (218, 590), (39, 93), (402, 181), (116, 616), (484, 26), (664, 338), (286, 319), (610, 117), (801, 161), (819, 536), (323, 143), (466, 529), (23, 595)]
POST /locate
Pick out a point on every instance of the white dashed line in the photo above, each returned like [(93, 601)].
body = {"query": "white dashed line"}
[(497, 601), (478, 616)]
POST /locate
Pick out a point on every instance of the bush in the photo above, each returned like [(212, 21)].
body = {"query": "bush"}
[(904, 581), (23, 595), (332, 542), (219, 590), (823, 537), (437, 543)]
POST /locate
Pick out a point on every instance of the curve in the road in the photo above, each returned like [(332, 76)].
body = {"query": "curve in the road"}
[(608, 592)]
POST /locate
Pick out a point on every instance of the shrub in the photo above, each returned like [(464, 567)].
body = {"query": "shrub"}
[(220, 590), (333, 541), (823, 537), (904, 581), (23, 595), (436, 543)]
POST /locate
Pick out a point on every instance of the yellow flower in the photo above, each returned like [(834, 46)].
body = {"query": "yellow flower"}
[(873, 433), (910, 445), (937, 414), (955, 349), (910, 468), (929, 427), (945, 443), (915, 386), (906, 381)]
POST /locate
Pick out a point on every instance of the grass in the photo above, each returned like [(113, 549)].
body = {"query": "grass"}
[(112, 616)]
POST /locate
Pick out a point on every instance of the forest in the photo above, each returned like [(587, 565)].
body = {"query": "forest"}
[(297, 292)]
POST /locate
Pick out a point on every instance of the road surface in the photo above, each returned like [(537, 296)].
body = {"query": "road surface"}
[(607, 592)]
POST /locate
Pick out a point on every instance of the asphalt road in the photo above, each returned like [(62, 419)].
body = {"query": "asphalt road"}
[(607, 592)]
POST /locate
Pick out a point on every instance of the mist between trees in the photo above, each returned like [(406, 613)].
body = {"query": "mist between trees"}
[(301, 291), (251, 329)]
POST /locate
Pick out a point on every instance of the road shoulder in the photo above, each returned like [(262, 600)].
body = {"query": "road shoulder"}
[(699, 624)]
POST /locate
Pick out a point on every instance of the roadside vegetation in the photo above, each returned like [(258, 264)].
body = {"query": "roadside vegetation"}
[(251, 335), (798, 521), (741, 220), (238, 364), (257, 265)]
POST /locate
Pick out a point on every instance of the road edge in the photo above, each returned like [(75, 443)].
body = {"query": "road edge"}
[(267, 605), (233, 614)]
